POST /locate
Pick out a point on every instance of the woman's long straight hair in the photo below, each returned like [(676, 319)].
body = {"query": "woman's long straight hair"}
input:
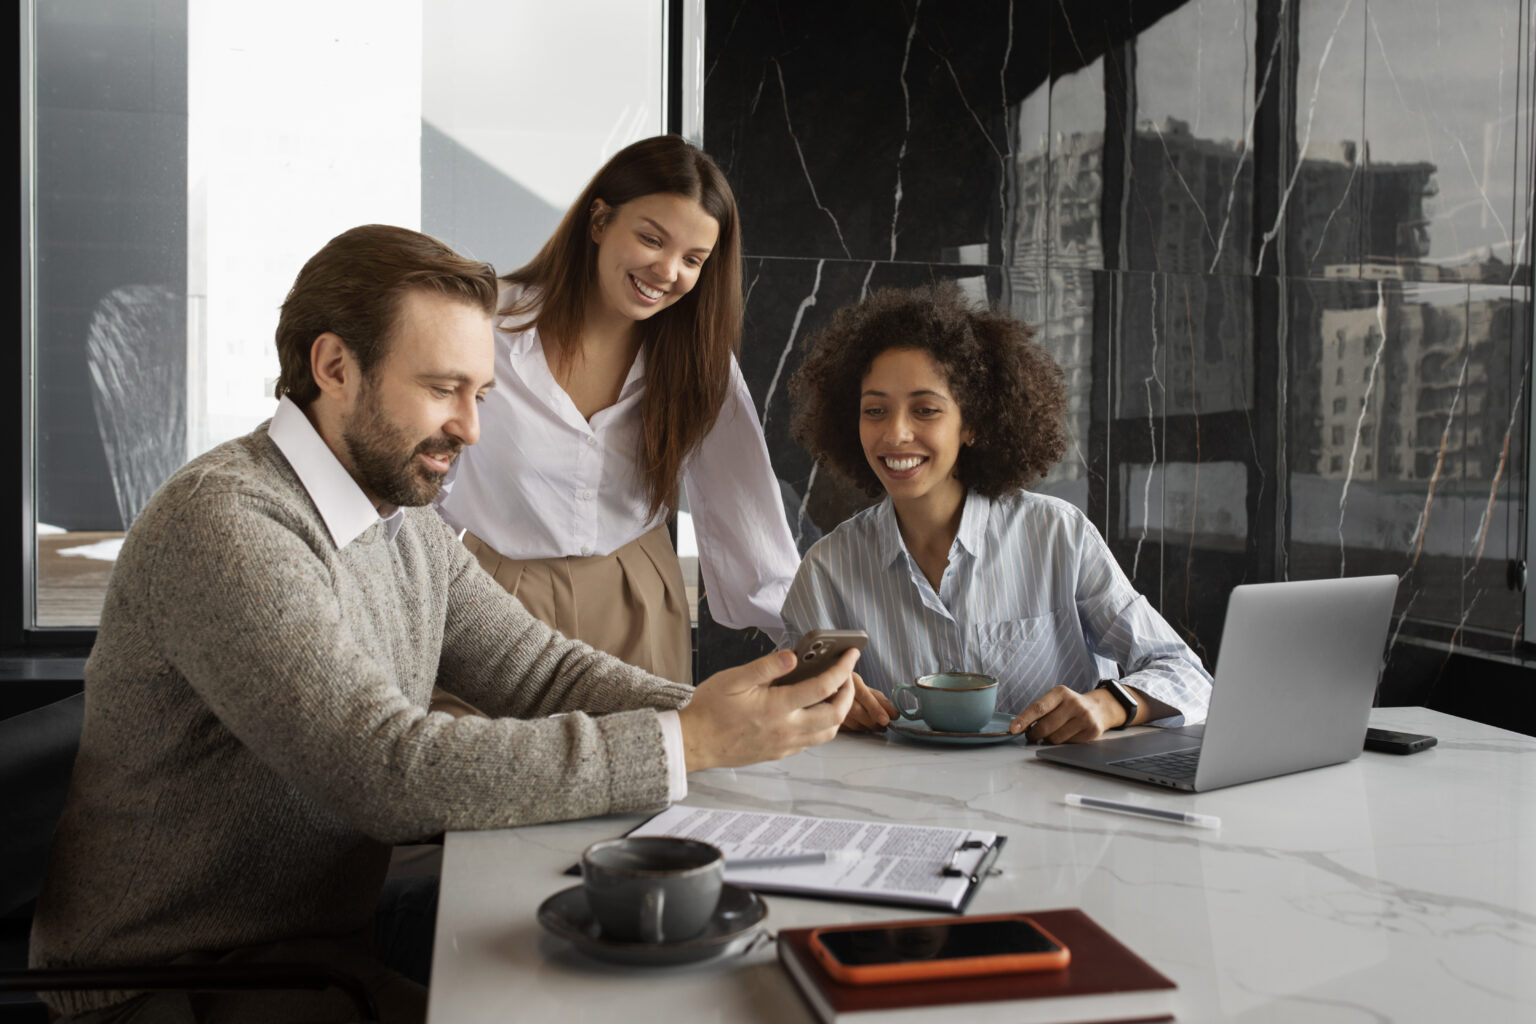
[(690, 344)]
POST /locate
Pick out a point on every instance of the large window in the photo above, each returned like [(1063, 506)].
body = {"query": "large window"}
[(182, 158)]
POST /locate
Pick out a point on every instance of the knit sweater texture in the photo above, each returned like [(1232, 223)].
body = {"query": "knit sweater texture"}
[(256, 730)]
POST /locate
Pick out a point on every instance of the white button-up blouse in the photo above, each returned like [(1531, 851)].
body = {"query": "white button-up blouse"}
[(544, 482)]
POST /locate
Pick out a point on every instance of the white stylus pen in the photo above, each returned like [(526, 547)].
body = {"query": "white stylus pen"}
[(1140, 811)]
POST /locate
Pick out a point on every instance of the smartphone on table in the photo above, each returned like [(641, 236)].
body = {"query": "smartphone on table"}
[(936, 947), (1390, 741), (820, 648)]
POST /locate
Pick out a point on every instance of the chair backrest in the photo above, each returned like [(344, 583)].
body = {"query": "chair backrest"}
[(37, 754)]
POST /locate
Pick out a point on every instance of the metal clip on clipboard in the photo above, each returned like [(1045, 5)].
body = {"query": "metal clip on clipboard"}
[(983, 869)]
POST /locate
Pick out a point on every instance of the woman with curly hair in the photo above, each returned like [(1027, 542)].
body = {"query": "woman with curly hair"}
[(960, 568)]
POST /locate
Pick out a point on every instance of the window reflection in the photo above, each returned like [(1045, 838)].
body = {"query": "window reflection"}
[(1400, 370)]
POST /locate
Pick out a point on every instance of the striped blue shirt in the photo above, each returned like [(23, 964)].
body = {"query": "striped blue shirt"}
[(1032, 596)]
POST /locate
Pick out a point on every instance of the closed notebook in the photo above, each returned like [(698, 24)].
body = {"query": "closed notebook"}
[(1105, 982)]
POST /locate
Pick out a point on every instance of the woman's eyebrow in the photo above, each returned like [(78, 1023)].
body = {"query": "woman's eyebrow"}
[(910, 394)]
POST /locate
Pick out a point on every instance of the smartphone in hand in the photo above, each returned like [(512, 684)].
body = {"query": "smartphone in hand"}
[(820, 648)]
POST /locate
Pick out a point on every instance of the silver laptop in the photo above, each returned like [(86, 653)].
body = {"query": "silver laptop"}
[(1294, 685)]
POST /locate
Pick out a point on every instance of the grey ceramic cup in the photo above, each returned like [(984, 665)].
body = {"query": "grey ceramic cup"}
[(950, 701), (653, 889)]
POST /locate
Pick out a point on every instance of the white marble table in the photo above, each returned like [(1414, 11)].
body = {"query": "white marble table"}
[(1386, 889)]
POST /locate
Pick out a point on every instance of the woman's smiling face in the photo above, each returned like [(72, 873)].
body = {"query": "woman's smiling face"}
[(910, 425), (650, 252)]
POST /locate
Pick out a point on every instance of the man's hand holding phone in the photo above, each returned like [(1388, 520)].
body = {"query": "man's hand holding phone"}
[(744, 715), (818, 647)]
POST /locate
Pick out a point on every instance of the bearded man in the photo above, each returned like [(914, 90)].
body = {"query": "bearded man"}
[(257, 732)]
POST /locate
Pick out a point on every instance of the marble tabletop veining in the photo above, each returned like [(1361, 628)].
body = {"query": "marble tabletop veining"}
[(1386, 889)]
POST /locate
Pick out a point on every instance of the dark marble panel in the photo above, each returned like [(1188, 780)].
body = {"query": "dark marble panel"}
[(1186, 467), (1445, 137), (1184, 346), (1396, 441), (1181, 535), (1259, 238), (1088, 172), (1069, 176), (1189, 201), (1320, 204), (1032, 179), (868, 131), (1064, 319), (1499, 347)]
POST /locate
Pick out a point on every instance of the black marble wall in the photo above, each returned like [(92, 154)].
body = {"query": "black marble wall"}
[(1282, 251)]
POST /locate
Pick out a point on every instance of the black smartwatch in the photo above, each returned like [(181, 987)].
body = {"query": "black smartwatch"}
[(1123, 696)]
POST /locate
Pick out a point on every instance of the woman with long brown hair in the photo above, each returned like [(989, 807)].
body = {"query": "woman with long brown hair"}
[(617, 388)]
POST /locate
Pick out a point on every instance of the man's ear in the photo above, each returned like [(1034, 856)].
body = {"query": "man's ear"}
[(332, 364)]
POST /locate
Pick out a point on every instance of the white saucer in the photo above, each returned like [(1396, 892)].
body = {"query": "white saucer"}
[(996, 731), (567, 915)]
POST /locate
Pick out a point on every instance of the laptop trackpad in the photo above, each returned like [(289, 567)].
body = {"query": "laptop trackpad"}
[(1111, 749), (1147, 744)]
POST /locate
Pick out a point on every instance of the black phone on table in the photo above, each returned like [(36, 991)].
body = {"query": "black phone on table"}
[(1389, 741), (820, 648)]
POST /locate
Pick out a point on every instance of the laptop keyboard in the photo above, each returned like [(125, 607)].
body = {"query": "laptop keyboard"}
[(1175, 764)]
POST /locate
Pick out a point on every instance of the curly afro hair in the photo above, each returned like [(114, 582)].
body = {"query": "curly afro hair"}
[(1010, 391)]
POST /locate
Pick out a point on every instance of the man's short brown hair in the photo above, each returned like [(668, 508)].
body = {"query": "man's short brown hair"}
[(353, 288)]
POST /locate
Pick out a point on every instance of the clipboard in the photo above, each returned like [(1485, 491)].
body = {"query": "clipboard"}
[(896, 864)]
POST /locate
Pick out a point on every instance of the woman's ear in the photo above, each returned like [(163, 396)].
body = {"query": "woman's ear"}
[(597, 219)]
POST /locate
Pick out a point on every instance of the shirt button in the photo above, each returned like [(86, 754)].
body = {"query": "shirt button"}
[(586, 495), (586, 549), (591, 440)]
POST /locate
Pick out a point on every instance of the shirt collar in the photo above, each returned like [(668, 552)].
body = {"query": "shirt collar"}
[(888, 540), (971, 535), (342, 504), (522, 339), (973, 522)]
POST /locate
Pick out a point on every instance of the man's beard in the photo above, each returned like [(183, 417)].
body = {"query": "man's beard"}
[(384, 458)]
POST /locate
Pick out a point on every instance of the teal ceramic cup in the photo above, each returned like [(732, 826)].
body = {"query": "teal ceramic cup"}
[(949, 701), (652, 889)]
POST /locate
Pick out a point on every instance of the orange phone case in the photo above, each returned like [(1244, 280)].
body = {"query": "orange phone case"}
[(957, 967), (820, 648)]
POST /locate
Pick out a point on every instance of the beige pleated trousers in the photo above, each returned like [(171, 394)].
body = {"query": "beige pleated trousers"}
[(631, 603)]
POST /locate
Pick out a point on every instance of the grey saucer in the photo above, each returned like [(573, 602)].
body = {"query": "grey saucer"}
[(996, 731), (567, 915)]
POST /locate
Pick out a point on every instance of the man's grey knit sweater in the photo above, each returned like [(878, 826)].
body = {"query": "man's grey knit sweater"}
[(256, 734)]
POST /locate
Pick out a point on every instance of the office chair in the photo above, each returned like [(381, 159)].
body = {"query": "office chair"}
[(37, 754)]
